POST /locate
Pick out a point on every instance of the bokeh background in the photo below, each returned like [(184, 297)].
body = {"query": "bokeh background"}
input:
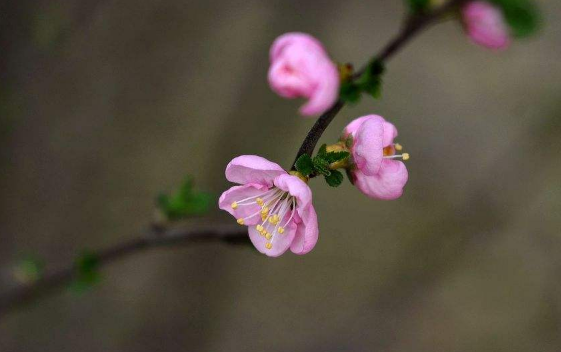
[(104, 104)]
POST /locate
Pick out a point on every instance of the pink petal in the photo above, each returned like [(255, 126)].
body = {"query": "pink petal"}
[(326, 92), (296, 187), (354, 125), (368, 145), (280, 242), (390, 132), (288, 39), (237, 193), (387, 184), (300, 67), (289, 82), (253, 169), (307, 232)]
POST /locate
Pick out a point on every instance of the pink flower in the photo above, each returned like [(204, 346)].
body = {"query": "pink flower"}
[(276, 206), (485, 25), (375, 172), (300, 67)]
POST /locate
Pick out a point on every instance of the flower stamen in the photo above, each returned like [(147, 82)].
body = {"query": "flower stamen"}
[(404, 156)]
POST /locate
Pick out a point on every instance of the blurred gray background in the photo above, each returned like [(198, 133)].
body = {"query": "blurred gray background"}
[(104, 104)]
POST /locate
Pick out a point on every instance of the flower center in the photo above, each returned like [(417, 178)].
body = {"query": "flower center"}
[(389, 152), (276, 209)]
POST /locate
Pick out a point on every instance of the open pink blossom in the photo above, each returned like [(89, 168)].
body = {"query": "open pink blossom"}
[(485, 25), (375, 172), (300, 67), (276, 206)]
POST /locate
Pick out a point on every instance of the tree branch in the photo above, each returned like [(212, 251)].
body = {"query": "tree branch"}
[(156, 237)]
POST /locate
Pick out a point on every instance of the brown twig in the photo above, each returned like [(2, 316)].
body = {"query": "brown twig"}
[(155, 237), (413, 26)]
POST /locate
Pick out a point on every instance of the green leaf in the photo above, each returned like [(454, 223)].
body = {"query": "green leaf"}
[(522, 16), (417, 6), (305, 165), (29, 269), (336, 156), (87, 271), (371, 80), (185, 202), (321, 166), (349, 92), (334, 179), (322, 150), (197, 204)]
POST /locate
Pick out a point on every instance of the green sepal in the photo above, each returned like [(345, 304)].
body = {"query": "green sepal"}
[(349, 141)]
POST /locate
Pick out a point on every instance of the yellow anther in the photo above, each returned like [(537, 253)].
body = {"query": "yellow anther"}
[(259, 228), (397, 146), (405, 156), (280, 230), (265, 211), (274, 219), (268, 236), (234, 205), (268, 245), (263, 217), (240, 221), (259, 201)]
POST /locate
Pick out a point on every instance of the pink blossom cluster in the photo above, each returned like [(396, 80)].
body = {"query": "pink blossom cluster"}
[(276, 205)]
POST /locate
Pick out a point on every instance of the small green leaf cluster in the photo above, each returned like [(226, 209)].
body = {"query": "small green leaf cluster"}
[(369, 82), (87, 271), (185, 202), (522, 16), (418, 6), (320, 165), (30, 269)]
